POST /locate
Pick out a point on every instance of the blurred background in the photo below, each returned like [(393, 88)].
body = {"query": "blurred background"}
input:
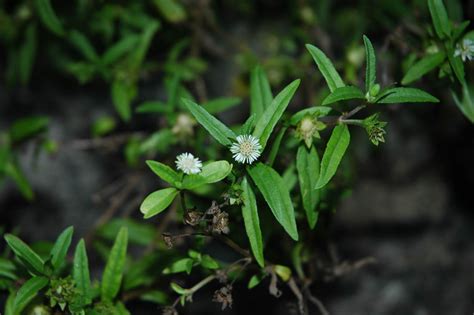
[(88, 83)]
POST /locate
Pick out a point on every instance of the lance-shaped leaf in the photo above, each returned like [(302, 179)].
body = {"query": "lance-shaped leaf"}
[(80, 274), (157, 201), (252, 222), (48, 17), (335, 149), (423, 66), (370, 66), (276, 194), (113, 272), (260, 92), (466, 104), (326, 67), (27, 292), (271, 116), (342, 94), (216, 128), (457, 65), (60, 248), (221, 104), (439, 15), (307, 164), (164, 172), (404, 95), (25, 254)]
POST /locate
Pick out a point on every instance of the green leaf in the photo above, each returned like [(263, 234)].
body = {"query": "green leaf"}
[(137, 55), (60, 248), (276, 195), (83, 45), (25, 128), (252, 222), (48, 17), (119, 49), (466, 105), (178, 289), (113, 272), (255, 280), (457, 65), (439, 15), (209, 263), (122, 95), (404, 95), (164, 172), (335, 149), (14, 172), (193, 181), (276, 146), (217, 129), (103, 126), (326, 67), (260, 92), (370, 67), (152, 107), (248, 125), (307, 164), (27, 53), (7, 269), (344, 93), (181, 265), (215, 171), (27, 292), (157, 201), (172, 10), (317, 111), (423, 66), (25, 254), (221, 104), (271, 115), (80, 274)]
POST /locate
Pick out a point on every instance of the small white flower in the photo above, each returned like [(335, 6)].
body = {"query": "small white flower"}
[(465, 50), (247, 149), (187, 163)]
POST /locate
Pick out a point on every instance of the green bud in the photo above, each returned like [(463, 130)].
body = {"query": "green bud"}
[(374, 90)]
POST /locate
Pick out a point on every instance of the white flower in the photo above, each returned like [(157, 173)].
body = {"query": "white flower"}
[(247, 149), (187, 163), (465, 50)]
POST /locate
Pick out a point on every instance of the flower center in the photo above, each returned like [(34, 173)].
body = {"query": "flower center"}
[(246, 148)]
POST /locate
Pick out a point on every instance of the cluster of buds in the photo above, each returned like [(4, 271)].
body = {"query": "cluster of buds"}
[(375, 129), (61, 292), (224, 296)]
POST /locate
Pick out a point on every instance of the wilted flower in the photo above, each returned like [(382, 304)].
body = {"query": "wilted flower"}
[(247, 149), (192, 217), (224, 296), (183, 126), (189, 164), (220, 222), (465, 50)]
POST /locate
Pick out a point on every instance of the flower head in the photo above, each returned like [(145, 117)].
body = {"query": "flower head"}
[(187, 163), (465, 50), (247, 149)]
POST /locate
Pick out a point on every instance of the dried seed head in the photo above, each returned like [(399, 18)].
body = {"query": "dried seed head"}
[(221, 276), (192, 217), (170, 310), (224, 296), (220, 222), (168, 239)]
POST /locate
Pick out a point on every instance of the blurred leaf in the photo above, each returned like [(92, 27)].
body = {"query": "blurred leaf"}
[(248, 125), (152, 107), (60, 248), (138, 232), (7, 269), (221, 104), (113, 272), (27, 292), (14, 172), (423, 66), (27, 53), (48, 17), (326, 67), (158, 141), (83, 45), (164, 172), (155, 296), (28, 127), (132, 151), (217, 129), (103, 126), (178, 289), (307, 164), (157, 201), (312, 111), (283, 272), (275, 193), (466, 105), (119, 49), (172, 10), (209, 263), (335, 149), (370, 67), (138, 54), (342, 94), (260, 92), (122, 95), (404, 95), (25, 254), (440, 18), (457, 65), (255, 280), (252, 222), (80, 274), (272, 114), (276, 146)]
